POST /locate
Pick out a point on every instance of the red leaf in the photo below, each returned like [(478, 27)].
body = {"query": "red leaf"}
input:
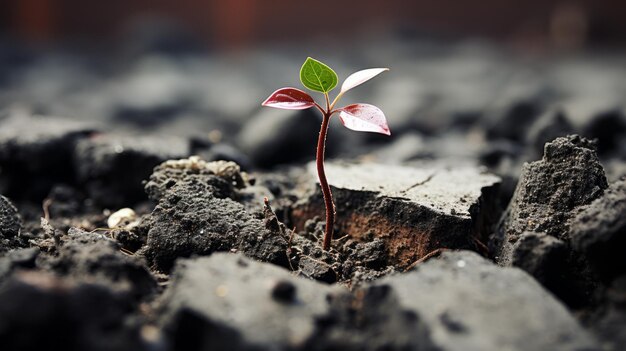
[(364, 118), (289, 99), (360, 77)]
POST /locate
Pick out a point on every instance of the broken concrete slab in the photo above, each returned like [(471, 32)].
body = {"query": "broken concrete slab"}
[(414, 210), (197, 214), (600, 231), (468, 303), (258, 305)]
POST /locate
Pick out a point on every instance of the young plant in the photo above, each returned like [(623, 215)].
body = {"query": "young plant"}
[(317, 76)]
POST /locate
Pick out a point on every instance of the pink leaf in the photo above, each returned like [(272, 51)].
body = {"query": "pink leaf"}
[(289, 99), (364, 118), (360, 77)]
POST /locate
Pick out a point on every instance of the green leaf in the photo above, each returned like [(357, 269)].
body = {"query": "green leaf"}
[(317, 76)]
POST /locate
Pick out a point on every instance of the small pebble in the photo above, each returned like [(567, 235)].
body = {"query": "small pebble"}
[(284, 291)]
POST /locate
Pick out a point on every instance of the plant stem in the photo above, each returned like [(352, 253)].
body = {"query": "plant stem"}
[(328, 197)]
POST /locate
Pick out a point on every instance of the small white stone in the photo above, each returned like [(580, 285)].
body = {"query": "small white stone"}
[(119, 149), (122, 218), (460, 263)]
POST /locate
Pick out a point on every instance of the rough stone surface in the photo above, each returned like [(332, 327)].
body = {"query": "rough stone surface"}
[(466, 102), (371, 318), (41, 311), (10, 221), (318, 270), (88, 256), (544, 257), (468, 303), (36, 153), (10, 224), (225, 293), (549, 191), (600, 231), (414, 210), (111, 169), (197, 215)]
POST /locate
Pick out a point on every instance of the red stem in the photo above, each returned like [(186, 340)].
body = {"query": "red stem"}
[(328, 197)]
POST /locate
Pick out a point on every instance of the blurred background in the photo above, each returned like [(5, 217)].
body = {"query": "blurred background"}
[(242, 23), (484, 82)]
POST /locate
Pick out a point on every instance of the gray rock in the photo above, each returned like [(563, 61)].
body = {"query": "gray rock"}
[(234, 303), (41, 311), (197, 214), (112, 169), (545, 258), (514, 120), (549, 191), (152, 92), (414, 210), (89, 256), (17, 259), (499, 154), (36, 153), (277, 136), (10, 224), (318, 270), (371, 318), (470, 304), (600, 231), (10, 221)]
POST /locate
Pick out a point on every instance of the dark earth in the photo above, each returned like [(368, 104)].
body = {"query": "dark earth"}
[(150, 203)]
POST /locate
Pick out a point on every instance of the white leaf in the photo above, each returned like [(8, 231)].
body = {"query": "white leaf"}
[(360, 77)]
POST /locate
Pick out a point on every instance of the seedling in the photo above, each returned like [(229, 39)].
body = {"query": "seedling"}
[(317, 76)]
